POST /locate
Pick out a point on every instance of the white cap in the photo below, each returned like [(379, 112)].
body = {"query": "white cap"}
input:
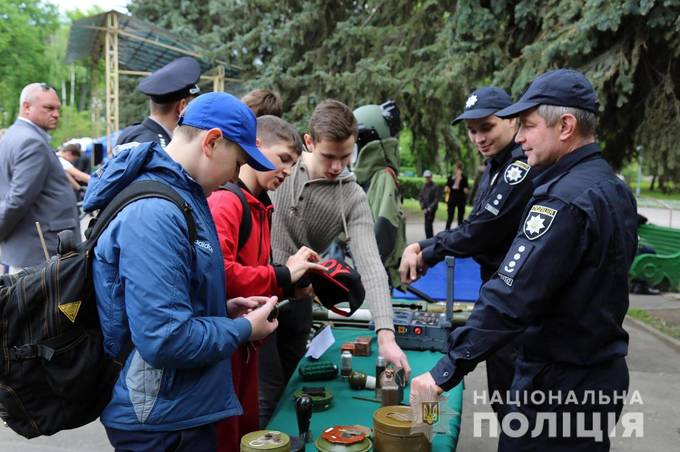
[(427, 173)]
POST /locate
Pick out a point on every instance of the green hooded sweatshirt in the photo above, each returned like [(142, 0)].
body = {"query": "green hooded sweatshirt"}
[(376, 170)]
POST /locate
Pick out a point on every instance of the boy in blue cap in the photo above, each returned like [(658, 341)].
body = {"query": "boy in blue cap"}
[(502, 195), (562, 289), (166, 296)]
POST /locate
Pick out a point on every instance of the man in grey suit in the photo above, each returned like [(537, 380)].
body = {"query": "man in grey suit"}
[(33, 185)]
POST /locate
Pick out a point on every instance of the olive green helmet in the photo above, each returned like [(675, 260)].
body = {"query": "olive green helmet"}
[(377, 122)]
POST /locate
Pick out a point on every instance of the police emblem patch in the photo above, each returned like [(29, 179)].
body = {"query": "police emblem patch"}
[(471, 101), (516, 172), (538, 221)]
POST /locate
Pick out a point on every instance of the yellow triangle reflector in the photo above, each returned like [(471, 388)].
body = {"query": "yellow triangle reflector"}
[(70, 310)]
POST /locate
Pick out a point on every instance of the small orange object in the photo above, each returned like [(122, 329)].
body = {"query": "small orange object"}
[(348, 346), (345, 434), (362, 345)]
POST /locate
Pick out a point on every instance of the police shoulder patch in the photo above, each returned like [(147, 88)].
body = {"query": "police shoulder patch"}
[(514, 261), (538, 221), (516, 172)]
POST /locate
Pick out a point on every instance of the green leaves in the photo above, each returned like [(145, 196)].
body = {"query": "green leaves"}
[(428, 55)]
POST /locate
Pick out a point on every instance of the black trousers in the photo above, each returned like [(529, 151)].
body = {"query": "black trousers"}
[(455, 203), (606, 378), (281, 353), (197, 439), (429, 219)]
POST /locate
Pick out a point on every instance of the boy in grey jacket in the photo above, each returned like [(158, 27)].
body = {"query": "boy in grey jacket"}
[(318, 201)]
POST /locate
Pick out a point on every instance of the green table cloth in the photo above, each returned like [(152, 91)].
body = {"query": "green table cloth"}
[(345, 410)]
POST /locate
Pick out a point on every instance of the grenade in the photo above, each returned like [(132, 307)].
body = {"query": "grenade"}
[(320, 370), (359, 380)]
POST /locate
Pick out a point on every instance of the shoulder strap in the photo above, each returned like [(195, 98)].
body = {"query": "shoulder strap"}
[(134, 192), (246, 221)]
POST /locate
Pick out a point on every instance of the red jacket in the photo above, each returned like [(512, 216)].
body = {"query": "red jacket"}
[(249, 272)]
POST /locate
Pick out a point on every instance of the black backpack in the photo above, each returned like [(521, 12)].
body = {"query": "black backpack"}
[(54, 374), (246, 224)]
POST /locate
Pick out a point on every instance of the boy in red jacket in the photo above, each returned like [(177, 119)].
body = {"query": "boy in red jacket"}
[(248, 269)]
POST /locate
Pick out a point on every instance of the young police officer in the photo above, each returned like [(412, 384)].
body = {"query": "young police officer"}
[(562, 288), (502, 195), (170, 89)]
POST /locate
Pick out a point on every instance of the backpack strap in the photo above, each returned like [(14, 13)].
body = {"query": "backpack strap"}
[(246, 221), (134, 192)]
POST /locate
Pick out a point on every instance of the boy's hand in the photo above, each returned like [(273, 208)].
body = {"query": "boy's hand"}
[(261, 327), (236, 307), (304, 260), (390, 350)]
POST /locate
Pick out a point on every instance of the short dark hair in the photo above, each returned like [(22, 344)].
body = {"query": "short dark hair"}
[(72, 148), (161, 109), (333, 121), (264, 102), (272, 130)]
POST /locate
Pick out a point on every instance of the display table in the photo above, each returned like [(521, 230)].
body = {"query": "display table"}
[(345, 410)]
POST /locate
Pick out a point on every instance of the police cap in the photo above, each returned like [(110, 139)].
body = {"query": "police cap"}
[(172, 82), (484, 102), (561, 87)]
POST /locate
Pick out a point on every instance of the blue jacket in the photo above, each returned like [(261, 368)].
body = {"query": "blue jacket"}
[(151, 287)]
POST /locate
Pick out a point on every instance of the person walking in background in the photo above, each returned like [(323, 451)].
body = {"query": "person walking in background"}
[(429, 201), (457, 187), (33, 186)]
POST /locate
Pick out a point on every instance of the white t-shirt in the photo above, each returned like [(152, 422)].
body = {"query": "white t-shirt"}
[(65, 164)]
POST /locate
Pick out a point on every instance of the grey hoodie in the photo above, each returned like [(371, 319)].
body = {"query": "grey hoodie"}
[(314, 212)]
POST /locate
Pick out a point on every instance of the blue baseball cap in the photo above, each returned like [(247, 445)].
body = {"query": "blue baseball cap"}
[(237, 122), (484, 102), (561, 87)]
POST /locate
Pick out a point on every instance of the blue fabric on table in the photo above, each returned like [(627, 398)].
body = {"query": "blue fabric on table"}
[(467, 282)]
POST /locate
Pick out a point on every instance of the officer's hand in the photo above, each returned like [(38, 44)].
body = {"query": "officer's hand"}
[(261, 327), (412, 265), (390, 350), (423, 389), (236, 307), (304, 260)]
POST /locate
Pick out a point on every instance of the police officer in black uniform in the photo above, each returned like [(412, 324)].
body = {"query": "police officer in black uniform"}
[(170, 89), (562, 288), (504, 191)]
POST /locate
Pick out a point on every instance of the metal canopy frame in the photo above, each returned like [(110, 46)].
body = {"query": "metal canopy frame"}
[(134, 47)]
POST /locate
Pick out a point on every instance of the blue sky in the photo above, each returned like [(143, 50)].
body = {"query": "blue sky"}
[(84, 5)]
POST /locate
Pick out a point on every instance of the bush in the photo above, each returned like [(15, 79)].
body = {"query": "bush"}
[(410, 185)]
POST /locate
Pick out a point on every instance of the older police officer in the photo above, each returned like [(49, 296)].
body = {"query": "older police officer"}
[(562, 289), (504, 191)]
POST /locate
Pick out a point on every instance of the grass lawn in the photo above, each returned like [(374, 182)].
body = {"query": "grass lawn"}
[(647, 317), (646, 192)]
